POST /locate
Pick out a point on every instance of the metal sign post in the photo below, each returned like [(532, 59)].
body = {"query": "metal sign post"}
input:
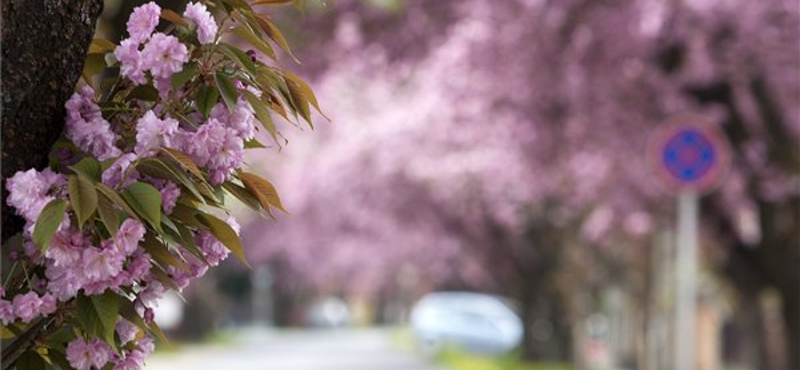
[(690, 156), (686, 270)]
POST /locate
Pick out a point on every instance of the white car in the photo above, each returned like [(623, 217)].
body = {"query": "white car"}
[(474, 322)]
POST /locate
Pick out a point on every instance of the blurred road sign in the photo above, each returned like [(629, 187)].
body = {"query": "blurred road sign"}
[(688, 154)]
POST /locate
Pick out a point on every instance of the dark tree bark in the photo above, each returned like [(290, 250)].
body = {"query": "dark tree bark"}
[(44, 45)]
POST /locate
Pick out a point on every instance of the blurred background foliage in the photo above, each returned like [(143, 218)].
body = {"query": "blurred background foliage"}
[(498, 147)]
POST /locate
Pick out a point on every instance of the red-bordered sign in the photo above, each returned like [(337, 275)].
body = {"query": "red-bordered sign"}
[(688, 153)]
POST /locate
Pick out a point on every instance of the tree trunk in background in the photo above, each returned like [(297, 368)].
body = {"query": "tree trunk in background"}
[(547, 331), (791, 317), (44, 48), (527, 314)]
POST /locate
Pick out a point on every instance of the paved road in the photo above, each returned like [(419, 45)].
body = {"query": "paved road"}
[(261, 349)]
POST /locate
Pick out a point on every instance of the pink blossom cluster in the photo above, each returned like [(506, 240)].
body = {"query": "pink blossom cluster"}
[(145, 51), (218, 144), (87, 128), (31, 190), (206, 26), (73, 263), (82, 260), (152, 133), (213, 253), (26, 307), (85, 354)]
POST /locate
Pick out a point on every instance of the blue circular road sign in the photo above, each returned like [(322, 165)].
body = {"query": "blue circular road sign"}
[(688, 153)]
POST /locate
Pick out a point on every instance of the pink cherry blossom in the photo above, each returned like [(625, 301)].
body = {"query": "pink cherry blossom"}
[(66, 247), (143, 21), (153, 132), (130, 59), (29, 191), (126, 331), (81, 105), (130, 233), (26, 306), (169, 196), (100, 264), (229, 157), (48, 304), (205, 142), (86, 127), (241, 120), (213, 250), (133, 360), (164, 55), (65, 282), (82, 355), (206, 26), (6, 312)]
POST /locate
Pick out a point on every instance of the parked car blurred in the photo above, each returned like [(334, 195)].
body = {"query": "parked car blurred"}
[(328, 312), (477, 323)]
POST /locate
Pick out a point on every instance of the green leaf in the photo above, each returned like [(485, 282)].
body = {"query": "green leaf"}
[(301, 101), (239, 4), (59, 358), (263, 190), (144, 92), (242, 194), (157, 168), (108, 214), (272, 2), (83, 198), (94, 64), (270, 80), (181, 78), (89, 168), (106, 307), (98, 315), (159, 334), (305, 89), (161, 253), (101, 46), (186, 215), (227, 89), (61, 335), (128, 312), (261, 114), (247, 34), (239, 57), (116, 199), (275, 35), (48, 222), (30, 360), (146, 201), (173, 17), (187, 241), (225, 234), (184, 160), (253, 144), (207, 97)]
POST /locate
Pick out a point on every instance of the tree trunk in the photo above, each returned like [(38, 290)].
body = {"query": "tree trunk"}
[(527, 313), (791, 317), (547, 333), (44, 45)]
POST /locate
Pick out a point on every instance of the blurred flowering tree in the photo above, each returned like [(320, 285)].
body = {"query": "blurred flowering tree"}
[(494, 142), (132, 201)]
